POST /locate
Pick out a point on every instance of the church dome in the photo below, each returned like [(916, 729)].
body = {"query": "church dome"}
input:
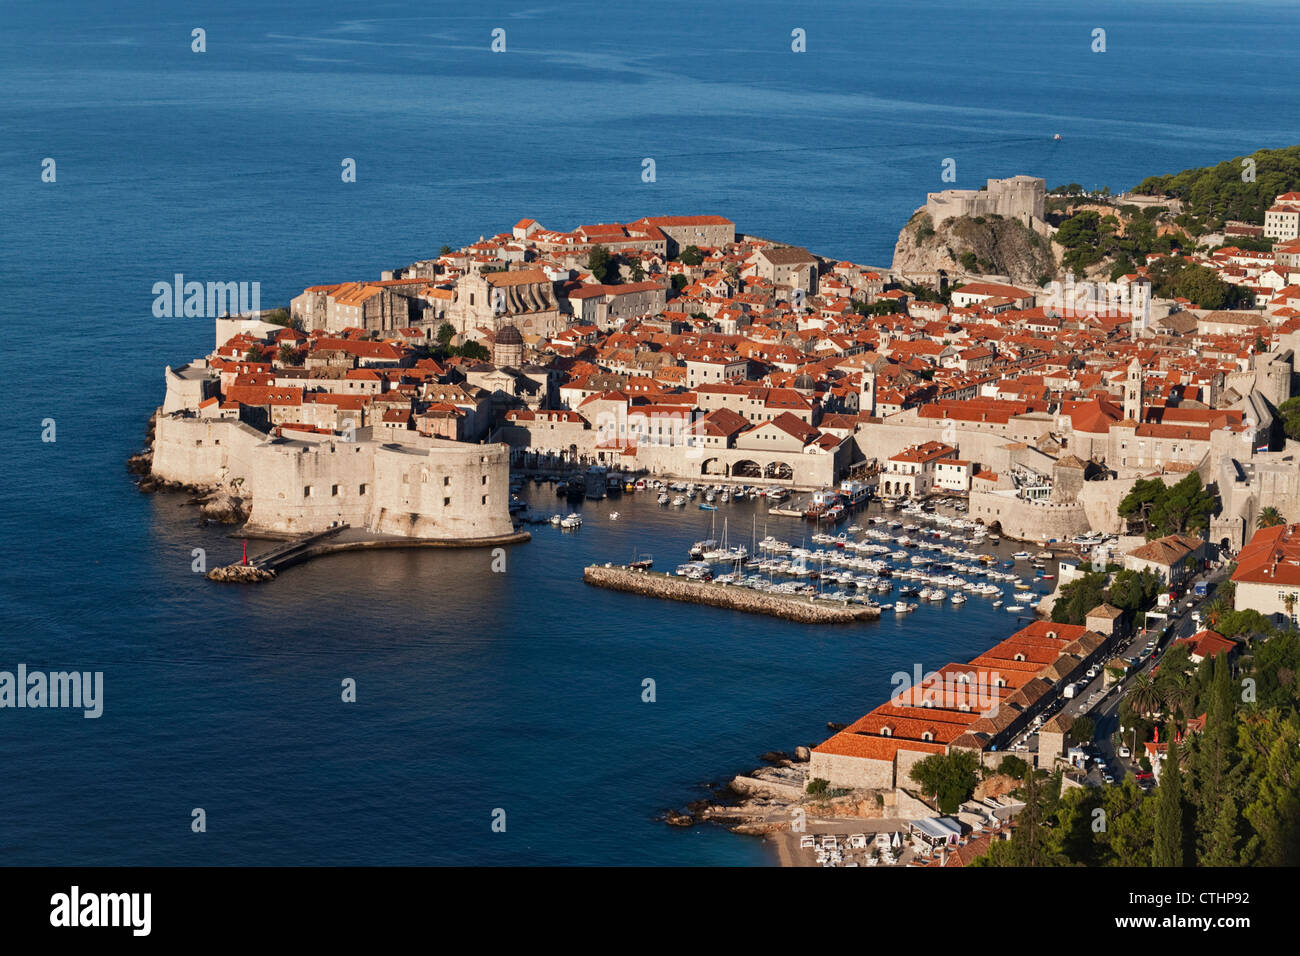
[(509, 335)]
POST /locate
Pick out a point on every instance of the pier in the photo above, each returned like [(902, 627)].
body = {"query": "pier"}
[(800, 609), (265, 566)]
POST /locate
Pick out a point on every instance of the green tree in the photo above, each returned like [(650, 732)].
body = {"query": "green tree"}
[(446, 332), (474, 350), (1144, 696), (1157, 509), (951, 777), (1268, 517), (602, 265), (1132, 590), (679, 282), (1078, 597), (1082, 730), (1013, 766), (1289, 413), (1221, 844), (1168, 847), (691, 256)]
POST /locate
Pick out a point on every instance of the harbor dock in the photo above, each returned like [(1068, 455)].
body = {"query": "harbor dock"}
[(804, 610), (265, 566)]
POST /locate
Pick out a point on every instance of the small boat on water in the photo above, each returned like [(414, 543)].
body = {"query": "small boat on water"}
[(613, 516), (958, 598), (997, 603), (1014, 608), (571, 523), (642, 564), (902, 607), (1022, 555), (663, 498), (679, 501), (705, 506)]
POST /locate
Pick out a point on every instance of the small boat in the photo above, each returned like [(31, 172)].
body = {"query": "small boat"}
[(902, 607), (679, 501), (997, 603), (640, 484), (958, 598), (1022, 555), (1044, 556), (572, 522), (663, 498), (613, 516), (1013, 608), (704, 506)]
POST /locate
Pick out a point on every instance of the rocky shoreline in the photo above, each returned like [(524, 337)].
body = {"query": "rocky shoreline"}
[(217, 503)]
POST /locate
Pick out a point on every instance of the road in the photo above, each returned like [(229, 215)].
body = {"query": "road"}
[(1102, 704)]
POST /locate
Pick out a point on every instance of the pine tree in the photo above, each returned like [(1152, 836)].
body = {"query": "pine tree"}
[(1168, 848)]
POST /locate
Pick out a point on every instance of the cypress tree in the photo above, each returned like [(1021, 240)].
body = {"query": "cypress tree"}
[(1221, 847), (1168, 847)]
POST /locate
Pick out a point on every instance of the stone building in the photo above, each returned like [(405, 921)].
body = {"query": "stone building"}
[(508, 348), (1019, 197)]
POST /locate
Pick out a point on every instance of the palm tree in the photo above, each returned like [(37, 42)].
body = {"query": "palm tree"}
[(1269, 517), (1144, 696)]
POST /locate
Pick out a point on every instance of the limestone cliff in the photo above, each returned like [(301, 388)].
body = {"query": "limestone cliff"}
[(987, 245)]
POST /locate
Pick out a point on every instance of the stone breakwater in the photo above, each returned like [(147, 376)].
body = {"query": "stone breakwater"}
[(673, 588)]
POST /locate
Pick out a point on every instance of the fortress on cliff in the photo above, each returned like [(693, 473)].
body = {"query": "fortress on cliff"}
[(1020, 197)]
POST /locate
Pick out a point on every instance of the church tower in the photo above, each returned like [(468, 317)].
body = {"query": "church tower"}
[(1133, 396), (867, 394)]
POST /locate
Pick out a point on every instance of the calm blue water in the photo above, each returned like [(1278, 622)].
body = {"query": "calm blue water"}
[(477, 691)]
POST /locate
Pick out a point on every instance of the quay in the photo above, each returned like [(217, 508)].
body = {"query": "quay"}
[(265, 566), (670, 587)]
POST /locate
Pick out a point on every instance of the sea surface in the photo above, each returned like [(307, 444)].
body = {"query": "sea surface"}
[(476, 691)]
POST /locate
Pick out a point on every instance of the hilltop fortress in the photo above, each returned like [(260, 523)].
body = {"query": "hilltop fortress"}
[(1019, 197)]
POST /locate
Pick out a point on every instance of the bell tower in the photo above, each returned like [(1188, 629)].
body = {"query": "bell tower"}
[(1133, 396)]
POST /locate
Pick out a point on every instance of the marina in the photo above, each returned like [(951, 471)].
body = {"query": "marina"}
[(912, 557)]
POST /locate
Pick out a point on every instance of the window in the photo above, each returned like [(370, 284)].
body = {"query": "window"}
[(485, 497), (334, 490), (446, 481), (446, 502), (361, 490), (306, 491), (483, 480)]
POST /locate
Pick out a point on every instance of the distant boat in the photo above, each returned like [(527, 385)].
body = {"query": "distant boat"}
[(1057, 136), (704, 506)]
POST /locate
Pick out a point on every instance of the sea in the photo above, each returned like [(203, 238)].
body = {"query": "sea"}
[(499, 715)]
